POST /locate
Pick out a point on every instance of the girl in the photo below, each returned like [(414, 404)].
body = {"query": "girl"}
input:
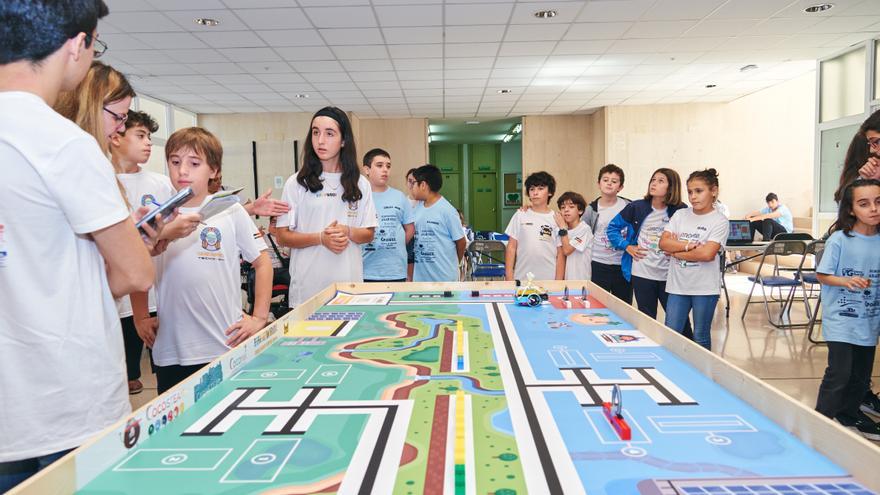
[(693, 238), (849, 273), (637, 229), (331, 210), (198, 284)]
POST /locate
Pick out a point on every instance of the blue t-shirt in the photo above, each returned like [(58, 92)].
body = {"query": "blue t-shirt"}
[(385, 257), (437, 228), (851, 316), (786, 220)]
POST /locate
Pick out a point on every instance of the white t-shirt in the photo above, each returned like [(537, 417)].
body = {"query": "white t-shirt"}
[(690, 278), (198, 287), (314, 268), (536, 242), (655, 265), (62, 366), (602, 250), (577, 264), (144, 188)]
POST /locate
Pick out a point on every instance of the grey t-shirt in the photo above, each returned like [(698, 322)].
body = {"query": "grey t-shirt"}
[(696, 278)]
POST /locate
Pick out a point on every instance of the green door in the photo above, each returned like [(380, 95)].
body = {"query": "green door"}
[(451, 189), (484, 201)]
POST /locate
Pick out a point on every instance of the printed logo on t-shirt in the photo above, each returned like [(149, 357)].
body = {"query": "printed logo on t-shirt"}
[(210, 237), (148, 199), (545, 233), (352, 209)]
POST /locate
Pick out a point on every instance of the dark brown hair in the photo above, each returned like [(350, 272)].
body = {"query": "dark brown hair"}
[(611, 169), (575, 198), (309, 175), (846, 219), (673, 192)]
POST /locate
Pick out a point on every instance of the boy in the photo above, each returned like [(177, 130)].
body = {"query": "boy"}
[(198, 283), (439, 238), (770, 221), (605, 264), (71, 246), (575, 236), (385, 257), (128, 150), (532, 247)]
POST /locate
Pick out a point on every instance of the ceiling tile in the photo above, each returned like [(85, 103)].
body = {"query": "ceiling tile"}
[(279, 78), (471, 49), (359, 36), (751, 42), (194, 55), (380, 75), (141, 22), (217, 68), (378, 84), (360, 52), (421, 64), (341, 17), (232, 39), (117, 57), (474, 34), (416, 50), (514, 48), (466, 73), (421, 75), (170, 40), (404, 35), (368, 65), (317, 66), (844, 25), (326, 77), (465, 83), (186, 19), (291, 37), (273, 18), (514, 73), (530, 32), (638, 46), (582, 47), (667, 10), (278, 67), (597, 30), (721, 27), (259, 4), (614, 10), (518, 62), (469, 63), (478, 13), (300, 53), (410, 15), (659, 29), (249, 54)]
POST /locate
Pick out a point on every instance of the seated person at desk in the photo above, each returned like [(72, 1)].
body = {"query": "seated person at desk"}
[(775, 219)]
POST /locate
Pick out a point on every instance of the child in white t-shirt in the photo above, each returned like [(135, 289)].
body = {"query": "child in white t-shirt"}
[(575, 236), (331, 210), (198, 285), (533, 244), (693, 238)]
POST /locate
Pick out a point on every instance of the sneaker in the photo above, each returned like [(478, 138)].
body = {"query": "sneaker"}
[(870, 404), (863, 425), (135, 387)]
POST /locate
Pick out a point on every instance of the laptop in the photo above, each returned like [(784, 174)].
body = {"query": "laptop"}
[(739, 234)]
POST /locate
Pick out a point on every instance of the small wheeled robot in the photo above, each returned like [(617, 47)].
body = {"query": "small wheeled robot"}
[(530, 294)]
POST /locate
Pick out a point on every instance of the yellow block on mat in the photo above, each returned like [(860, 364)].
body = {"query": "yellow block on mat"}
[(313, 328)]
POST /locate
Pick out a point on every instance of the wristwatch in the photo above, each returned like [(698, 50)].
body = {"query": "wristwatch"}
[(562, 232)]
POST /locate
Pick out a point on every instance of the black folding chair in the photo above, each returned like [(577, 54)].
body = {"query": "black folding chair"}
[(774, 250)]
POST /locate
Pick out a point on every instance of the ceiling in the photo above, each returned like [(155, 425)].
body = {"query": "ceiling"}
[(472, 131), (448, 58)]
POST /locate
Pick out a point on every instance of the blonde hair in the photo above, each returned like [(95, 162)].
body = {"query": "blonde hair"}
[(204, 144), (84, 105)]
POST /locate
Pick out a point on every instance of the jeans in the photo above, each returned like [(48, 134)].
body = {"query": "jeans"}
[(677, 309), (610, 278), (648, 293), (14, 472), (768, 228), (847, 378)]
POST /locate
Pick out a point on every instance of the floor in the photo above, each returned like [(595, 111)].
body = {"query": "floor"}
[(784, 359)]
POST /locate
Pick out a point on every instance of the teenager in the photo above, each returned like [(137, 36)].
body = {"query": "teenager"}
[(439, 239), (385, 257)]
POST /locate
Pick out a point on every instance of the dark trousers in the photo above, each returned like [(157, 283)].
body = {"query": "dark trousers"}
[(648, 293), (847, 379), (14, 472), (134, 347), (768, 228), (169, 376), (610, 278)]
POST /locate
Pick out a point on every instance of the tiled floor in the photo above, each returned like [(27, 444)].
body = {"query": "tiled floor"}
[(782, 358)]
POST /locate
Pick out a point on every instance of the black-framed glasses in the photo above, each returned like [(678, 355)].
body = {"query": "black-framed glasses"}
[(99, 46), (120, 119), (874, 143)]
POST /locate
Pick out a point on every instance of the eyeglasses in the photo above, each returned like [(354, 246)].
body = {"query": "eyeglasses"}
[(874, 143), (410, 182), (100, 46), (120, 119)]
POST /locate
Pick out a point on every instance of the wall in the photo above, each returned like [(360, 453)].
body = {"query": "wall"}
[(511, 163), (560, 145), (759, 143), (405, 139)]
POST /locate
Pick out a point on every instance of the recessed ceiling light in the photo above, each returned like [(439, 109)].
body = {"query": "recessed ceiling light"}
[(206, 21), (504, 91), (822, 7), (300, 95), (710, 86), (746, 68), (472, 122), (545, 14)]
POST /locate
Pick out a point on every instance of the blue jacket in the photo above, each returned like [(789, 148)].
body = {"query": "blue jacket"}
[(624, 229)]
